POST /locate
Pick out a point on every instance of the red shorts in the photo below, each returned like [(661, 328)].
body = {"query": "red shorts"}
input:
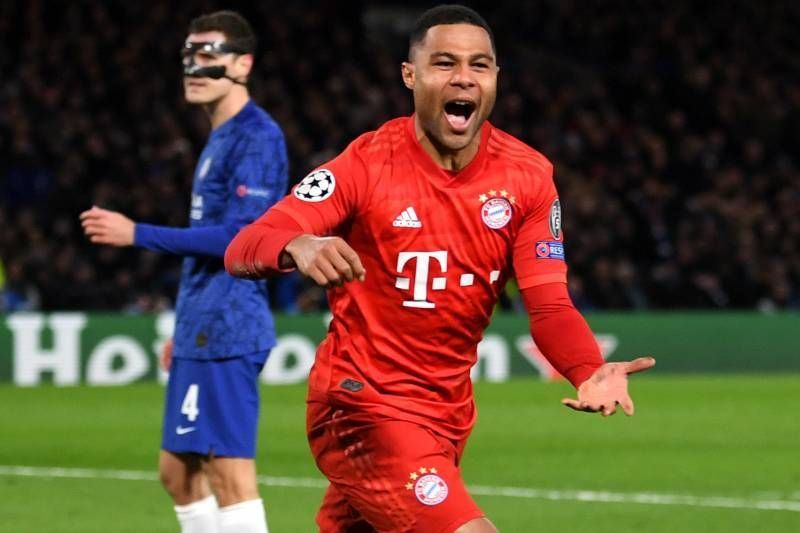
[(386, 475)]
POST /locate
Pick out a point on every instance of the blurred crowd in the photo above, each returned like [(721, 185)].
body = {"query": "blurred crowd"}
[(674, 128)]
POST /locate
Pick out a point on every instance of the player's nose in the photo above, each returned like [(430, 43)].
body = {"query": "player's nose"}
[(462, 77)]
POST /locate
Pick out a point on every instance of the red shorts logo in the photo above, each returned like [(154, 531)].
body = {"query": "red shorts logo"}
[(430, 489)]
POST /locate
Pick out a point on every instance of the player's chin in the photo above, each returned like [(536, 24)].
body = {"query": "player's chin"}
[(192, 97), (455, 140), (198, 96)]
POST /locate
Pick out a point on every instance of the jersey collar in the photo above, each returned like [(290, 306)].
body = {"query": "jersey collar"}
[(445, 177)]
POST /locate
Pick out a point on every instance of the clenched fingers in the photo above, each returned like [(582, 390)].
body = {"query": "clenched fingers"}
[(316, 274), (352, 259), (342, 267), (332, 277), (331, 262)]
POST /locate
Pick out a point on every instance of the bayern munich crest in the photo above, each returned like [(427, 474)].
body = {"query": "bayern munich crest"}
[(428, 486), (496, 212), (430, 489), (316, 187)]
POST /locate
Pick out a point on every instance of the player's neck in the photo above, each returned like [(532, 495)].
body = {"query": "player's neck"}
[(226, 107), (450, 160)]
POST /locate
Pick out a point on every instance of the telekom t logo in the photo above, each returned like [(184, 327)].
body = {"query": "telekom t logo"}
[(421, 276)]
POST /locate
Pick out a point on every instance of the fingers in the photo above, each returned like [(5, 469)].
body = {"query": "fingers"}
[(350, 255), (579, 405), (341, 265), (574, 404), (89, 212), (330, 262), (316, 274), (627, 405), (97, 233), (332, 277), (93, 228), (588, 407), (639, 364), (608, 410), (94, 222), (107, 227), (94, 213)]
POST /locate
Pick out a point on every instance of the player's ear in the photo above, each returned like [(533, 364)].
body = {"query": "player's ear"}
[(407, 70), (244, 63)]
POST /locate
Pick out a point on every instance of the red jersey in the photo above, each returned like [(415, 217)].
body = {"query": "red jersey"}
[(437, 248)]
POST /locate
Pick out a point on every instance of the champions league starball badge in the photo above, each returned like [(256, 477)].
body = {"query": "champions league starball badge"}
[(316, 187), (496, 212)]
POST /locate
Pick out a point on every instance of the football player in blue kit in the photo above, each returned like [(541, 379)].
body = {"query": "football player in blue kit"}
[(224, 330)]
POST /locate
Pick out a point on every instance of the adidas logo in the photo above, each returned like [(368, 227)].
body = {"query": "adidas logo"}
[(407, 219)]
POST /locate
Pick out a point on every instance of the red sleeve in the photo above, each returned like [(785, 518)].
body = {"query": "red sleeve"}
[(318, 205), (256, 249), (331, 194), (538, 254), (561, 332)]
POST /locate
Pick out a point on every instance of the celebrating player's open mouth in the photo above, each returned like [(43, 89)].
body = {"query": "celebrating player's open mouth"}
[(459, 113)]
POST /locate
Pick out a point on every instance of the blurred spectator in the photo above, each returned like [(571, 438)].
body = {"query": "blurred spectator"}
[(673, 127)]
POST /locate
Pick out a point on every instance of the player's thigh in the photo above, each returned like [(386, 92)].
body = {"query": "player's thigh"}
[(399, 476), (212, 407), (337, 515), (233, 479), (182, 476)]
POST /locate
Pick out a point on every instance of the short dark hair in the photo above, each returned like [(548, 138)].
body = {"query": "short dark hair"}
[(446, 14), (238, 32)]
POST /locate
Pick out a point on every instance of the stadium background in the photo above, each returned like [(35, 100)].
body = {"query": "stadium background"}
[(674, 129)]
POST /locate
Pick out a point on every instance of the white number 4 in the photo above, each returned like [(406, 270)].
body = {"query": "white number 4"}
[(189, 407)]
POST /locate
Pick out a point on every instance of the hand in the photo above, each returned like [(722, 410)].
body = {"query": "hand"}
[(166, 355), (107, 227), (608, 387), (329, 261)]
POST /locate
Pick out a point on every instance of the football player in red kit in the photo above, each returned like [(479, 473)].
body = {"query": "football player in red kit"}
[(415, 228)]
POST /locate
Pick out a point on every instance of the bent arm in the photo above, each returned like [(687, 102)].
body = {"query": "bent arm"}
[(258, 249)]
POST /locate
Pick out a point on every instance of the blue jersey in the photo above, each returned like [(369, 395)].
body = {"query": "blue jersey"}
[(241, 172)]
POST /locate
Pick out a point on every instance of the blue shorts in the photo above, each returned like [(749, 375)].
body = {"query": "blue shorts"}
[(212, 406)]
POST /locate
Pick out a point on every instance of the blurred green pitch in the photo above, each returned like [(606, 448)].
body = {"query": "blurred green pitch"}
[(712, 453)]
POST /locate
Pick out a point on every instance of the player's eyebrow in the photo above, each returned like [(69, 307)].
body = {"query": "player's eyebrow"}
[(454, 57)]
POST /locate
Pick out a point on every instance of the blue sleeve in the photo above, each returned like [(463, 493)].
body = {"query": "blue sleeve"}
[(258, 175), (208, 240)]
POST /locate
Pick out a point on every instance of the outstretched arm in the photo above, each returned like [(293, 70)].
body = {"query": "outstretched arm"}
[(564, 337), (109, 227)]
